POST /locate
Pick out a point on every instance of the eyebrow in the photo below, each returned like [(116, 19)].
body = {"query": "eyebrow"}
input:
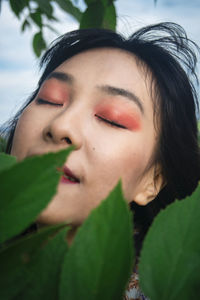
[(115, 91), (62, 77)]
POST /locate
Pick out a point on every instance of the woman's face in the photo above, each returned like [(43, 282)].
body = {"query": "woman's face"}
[(100, 102)]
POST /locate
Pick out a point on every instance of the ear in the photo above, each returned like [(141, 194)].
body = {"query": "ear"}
[(149, 187)]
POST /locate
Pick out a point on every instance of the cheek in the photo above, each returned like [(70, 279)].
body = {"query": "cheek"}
[(124, 158), (112, 161), (25, 133)]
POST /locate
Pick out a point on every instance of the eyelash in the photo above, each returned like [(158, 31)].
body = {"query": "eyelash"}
[(112, 123), (42, 101)]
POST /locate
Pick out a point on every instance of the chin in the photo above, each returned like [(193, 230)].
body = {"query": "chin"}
[(47, 218)]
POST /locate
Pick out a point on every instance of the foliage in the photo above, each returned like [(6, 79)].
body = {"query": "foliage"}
[(40, 265), (107, 249), (2, 144), (6, 161), (170, 260), (99, 14), (99, 262), (31, 266), (33, 183), (40, 14)]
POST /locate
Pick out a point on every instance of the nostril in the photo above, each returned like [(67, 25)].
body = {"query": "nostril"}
[(68, 140), (58, 138), (49, 134)]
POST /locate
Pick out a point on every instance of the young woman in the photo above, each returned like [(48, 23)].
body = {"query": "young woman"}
[(128, 106)]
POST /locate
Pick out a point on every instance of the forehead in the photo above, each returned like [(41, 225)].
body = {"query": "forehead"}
[(102, 59), (111, 67), (104, 65)]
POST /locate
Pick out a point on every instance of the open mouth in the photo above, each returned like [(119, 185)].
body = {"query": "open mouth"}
[(68, 176)]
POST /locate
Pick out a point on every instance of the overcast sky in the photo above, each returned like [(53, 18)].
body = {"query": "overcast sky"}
[(19, 66)]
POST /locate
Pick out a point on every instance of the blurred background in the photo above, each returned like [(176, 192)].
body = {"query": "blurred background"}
[(24, 33)]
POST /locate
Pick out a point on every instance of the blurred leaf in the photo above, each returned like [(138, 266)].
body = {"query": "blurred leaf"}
[(30, 267), (37, 18), (17, 6), (24, 25), (110, 18), (88, 2), (93, 16), (3, 144), (38, 43), (70, 8), (51, 28), (45, 6), (6, 161), (26, 189), (100, 259), (170, 259), (52, 18)]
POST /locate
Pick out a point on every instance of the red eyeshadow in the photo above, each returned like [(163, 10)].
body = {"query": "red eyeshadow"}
[(119, 114), (54, 91)]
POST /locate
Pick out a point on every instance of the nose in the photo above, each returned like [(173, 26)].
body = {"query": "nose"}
[(64, 129)]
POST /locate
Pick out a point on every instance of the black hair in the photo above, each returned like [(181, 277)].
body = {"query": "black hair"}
[(165, 52)]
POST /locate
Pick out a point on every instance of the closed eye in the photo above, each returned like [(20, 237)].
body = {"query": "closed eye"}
[(110, 122), (42, 101)]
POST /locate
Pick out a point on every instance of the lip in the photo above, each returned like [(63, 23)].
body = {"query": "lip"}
[(65, 171), (68, 173)]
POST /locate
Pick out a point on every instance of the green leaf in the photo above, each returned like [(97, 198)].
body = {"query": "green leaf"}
[(110, 18), (26, 189), (45, 6), (37, 18), (88, 2), (18, 6), (30, 267), (70, 8), (38, 43), (6, 161), (3, 144), (52, 18), (170, 258), (101, 257), (25, 25), (93, 16), (107, 2)]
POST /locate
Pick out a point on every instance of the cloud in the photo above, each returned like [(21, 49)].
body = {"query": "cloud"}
[(134, 14)]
